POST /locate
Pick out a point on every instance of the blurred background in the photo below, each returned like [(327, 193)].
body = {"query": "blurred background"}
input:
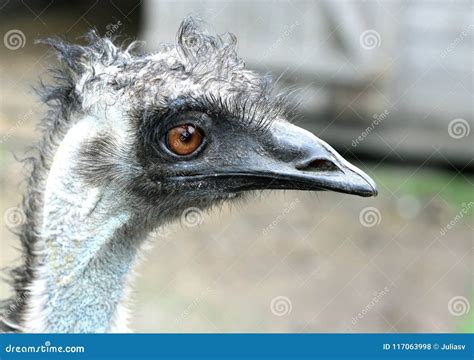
[(388, 83)]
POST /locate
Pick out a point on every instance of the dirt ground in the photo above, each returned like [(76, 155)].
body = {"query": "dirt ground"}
[(287, 261)]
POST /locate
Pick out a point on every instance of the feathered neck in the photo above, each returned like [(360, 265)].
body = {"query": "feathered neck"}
[(85, 250), (65, 111)]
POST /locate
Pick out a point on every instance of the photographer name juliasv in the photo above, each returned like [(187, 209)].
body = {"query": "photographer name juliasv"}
[(423, 346), (452, 347)]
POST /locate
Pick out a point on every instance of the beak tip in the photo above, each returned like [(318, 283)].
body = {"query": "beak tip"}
[(372, 187), (374, 192), (362, 184), (365, 191)]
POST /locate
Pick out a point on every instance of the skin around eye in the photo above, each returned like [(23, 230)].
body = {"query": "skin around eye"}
[(184, 139)]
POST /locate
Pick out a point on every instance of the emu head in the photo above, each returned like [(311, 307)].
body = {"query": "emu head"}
[(189, 126)]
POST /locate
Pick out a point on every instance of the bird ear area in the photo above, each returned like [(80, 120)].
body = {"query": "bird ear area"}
[(102, 160)]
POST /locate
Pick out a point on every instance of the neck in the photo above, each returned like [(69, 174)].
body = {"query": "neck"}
[(87, 248)]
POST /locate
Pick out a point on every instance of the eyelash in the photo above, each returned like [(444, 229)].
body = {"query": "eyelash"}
[(216, 106)]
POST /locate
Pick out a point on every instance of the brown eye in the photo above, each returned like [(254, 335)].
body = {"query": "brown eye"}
[(184, 139)]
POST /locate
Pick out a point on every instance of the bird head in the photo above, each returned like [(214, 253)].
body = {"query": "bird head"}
[(190, 125)]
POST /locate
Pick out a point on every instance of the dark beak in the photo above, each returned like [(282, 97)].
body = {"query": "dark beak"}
[(296, 159), (285, 157)]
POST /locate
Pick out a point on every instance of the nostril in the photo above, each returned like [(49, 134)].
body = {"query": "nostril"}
[(319, 165)]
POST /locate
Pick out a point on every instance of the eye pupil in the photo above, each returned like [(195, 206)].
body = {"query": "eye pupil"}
[(184, 139), (186, 135)]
